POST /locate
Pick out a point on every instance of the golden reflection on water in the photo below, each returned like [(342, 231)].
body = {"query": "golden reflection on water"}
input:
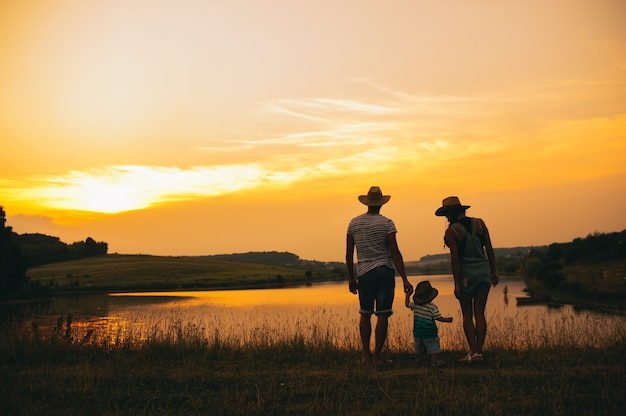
[(324, 314), (301, 296)]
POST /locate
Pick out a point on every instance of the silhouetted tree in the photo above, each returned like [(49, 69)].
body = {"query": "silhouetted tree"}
[(12, 268), (546, 265), (38, 249), (87, 248)]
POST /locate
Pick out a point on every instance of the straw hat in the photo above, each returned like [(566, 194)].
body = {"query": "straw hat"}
[(451, 203), (374, 197), (424, 293)]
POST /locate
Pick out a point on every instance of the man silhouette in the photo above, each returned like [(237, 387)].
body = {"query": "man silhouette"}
[(374, 237)]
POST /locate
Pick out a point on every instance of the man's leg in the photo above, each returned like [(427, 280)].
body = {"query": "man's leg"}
[(365, 328), (380, 336)]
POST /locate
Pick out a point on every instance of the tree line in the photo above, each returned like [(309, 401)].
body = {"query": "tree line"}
[(545, 265), (18, 252), (38, 249)]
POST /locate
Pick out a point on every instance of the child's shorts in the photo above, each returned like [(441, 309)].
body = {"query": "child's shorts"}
[(428, 345)]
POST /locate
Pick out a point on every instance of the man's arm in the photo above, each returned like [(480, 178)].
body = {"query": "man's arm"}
[(398, 261), (352, 284)]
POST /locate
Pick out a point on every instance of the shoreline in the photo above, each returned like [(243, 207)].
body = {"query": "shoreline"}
[(78, 292), (556, 299)]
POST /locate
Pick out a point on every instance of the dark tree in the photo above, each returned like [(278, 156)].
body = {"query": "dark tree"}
[(546, 265), (88, 248), (12, 268), (94, 248), (38, 249)]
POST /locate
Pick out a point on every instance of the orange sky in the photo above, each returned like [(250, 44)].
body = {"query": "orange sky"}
[(205, 127)]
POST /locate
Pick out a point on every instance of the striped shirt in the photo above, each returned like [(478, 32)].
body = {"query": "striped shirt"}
[(424, 325), (370, 237)]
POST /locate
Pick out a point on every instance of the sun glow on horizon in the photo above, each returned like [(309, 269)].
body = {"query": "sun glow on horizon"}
[(121, 116)]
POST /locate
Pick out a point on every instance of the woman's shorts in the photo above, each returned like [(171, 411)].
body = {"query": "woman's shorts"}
[(472, 285), (376, 291)]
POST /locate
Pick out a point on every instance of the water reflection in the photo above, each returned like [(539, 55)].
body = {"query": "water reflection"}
[(318, 295), (320, 313)]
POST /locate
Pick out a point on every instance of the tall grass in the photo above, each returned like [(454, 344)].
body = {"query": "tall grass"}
[(305, 366), (320, 327)]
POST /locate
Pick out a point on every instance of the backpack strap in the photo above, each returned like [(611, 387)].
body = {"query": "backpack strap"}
[(460, 230)]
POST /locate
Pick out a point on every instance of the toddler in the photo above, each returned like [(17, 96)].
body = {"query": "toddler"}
[(425, 313)]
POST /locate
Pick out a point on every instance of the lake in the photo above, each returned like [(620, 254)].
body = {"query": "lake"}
[(325, 312)]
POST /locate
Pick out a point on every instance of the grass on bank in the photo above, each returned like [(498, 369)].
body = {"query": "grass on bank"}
[(115, 272), (187, 371), (602, 283)]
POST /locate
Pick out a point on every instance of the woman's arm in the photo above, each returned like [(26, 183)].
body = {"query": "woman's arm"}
[(490, 253), (455, 261)]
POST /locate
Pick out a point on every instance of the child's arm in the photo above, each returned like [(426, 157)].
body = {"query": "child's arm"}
[(407, 299), (444, 319)]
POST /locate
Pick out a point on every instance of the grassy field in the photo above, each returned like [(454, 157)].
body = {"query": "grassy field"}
[(186, 372), (141, 272)]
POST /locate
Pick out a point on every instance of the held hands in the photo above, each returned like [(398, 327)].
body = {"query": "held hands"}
[(408, 288)]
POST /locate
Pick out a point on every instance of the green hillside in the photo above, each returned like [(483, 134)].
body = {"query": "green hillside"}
[(116, 272)]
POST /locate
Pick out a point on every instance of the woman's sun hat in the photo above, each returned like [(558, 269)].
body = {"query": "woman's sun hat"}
[(424, 293), (449, 204), (374, 197)]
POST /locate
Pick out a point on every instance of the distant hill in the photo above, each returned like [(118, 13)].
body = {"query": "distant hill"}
[(508, 260), (500, 252), (260, 257), (127, 272), (274, 258)]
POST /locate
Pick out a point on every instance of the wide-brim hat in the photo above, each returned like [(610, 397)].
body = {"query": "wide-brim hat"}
[(449, 204), (424, 293), (374, 197)]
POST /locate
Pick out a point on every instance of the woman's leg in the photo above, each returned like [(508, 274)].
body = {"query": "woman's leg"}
[(480, 302), (467, 306)]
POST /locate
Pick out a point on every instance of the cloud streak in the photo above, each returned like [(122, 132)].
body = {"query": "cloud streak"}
[(349, 136)]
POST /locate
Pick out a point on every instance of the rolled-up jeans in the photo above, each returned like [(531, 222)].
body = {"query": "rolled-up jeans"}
[(376, 291)]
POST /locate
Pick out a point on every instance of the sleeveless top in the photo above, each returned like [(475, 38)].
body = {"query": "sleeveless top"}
[(474, 262)]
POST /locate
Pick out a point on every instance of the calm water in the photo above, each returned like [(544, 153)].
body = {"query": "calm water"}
[(325, 312)]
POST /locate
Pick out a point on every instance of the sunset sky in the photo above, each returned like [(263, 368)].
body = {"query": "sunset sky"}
[(195, 127)]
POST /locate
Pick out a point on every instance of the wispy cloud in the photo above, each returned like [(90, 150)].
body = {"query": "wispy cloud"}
[(121, 188), (114, 189), (349, 132), (340, 137)]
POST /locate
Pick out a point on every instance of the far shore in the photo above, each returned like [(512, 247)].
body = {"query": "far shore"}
[(131, 274)]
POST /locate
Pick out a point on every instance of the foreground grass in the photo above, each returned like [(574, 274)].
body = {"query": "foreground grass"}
[(183, 374), (114, 272)]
